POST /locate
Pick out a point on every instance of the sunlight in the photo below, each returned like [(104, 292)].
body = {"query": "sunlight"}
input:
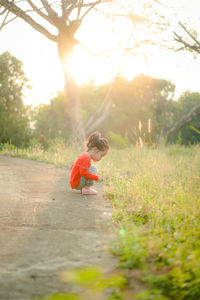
[(85, 68), (98, 35), (76, 66)]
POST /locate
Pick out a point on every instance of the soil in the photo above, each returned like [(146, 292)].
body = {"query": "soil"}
[(46, 228)]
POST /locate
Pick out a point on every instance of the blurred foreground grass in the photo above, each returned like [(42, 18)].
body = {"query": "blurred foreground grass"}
[(156, 199)]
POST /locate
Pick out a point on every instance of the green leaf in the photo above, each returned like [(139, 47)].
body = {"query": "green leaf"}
[(195, 129)]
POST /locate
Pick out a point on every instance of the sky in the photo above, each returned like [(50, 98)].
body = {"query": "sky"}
[(42, 66)]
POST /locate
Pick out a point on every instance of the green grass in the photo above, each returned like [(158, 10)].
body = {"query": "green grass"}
[(156, 196), (156, 199), (57, 153)]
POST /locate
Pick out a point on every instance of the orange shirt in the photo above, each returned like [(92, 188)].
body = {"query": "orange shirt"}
[(80, 168)]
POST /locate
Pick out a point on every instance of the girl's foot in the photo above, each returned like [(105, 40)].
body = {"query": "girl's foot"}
[(89, 191)]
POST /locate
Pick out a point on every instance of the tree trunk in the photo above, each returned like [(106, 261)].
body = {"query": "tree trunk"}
[(65, 48), (77, 129), (177, 124)]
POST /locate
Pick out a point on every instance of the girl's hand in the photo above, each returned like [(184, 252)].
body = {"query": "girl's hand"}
[(100, 178)]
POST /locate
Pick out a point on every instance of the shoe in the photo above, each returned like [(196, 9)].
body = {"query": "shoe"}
[(89, 191)]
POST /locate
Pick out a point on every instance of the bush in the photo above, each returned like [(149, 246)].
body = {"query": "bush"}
[(118, 140)]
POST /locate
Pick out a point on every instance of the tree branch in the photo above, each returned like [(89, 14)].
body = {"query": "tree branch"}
[(3, 11), (4, 20), (80, 3), (103, 52), (160, 3), (69, 10), (187, 45), (103, 111), (91, 6), (63, 8), (192, 37), (185, 119), (11, 7), (40, 13), (4, 23), (49, 10), (132, 17), (95, 3)]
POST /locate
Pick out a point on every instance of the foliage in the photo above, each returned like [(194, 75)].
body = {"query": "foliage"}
[(61, 297), (52, 120), (157, 203), (58, 153), (141, 109), (117, 140), (94, 284), (184, 134), (91, 98), (14, 120), (139, 100)]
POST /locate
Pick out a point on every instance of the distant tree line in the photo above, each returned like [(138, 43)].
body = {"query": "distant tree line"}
[(142, 110)]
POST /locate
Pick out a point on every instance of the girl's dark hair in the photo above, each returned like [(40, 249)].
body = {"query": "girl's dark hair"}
[(95, 140)]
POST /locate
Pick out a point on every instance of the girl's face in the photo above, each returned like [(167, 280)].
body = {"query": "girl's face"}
[(97, 155)]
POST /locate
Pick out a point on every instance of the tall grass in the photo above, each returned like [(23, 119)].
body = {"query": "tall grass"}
[(156, 199), (156, 196), (58, 153)]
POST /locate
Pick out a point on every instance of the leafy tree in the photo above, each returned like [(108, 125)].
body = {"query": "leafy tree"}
[(189, 40), (136, 101), (52, 120), (184, 134), (14, 122), (163, 106), (140, 99), (64, 17), (59, 22)]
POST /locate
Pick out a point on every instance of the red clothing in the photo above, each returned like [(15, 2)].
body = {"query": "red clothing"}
[(80, 168)]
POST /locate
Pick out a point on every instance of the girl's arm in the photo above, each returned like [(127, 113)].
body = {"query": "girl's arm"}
[(84, 172)]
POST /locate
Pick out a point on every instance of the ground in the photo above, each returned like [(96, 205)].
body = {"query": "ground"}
[(46, 228)]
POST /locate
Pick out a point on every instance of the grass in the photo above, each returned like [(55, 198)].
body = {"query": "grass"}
[(57, 153), (156, 198)]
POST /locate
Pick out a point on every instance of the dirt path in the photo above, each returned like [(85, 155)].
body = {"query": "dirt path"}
[(46, 228)]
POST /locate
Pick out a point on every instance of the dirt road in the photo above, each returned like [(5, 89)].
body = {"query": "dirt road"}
[(46, 228)]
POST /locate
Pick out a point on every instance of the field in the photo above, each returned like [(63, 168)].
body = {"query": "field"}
[(155, 194)]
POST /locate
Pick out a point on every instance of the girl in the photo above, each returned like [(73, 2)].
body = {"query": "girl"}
[(82, 173)]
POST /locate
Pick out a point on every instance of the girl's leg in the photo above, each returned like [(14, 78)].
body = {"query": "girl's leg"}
[(89, 182), (86, 190), (81, 184)]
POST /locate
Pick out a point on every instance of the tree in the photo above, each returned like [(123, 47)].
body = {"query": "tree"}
[(66, 16), (52, 120), (188, 39), (139, 100), (163, 107), (143, 100), (14, 122), (186, 114)]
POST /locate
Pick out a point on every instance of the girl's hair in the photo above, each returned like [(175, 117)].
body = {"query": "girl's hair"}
[(95, 140)]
